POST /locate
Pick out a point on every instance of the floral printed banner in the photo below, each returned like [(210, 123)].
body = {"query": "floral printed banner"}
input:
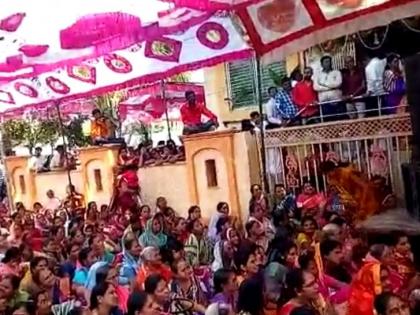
[(150, 99), (281, 27), (208, 43), (277, 28), (41, 35)]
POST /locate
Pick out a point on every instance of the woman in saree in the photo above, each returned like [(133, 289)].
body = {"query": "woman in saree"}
[(198, 250), (75, 199), (311, 202), (306, 238), (151, 263), (153, 234), (302, 289), (394, 85), (331, 289), (258, 198), (126, 194), (223, 255), (101, 272), (371, 280), (401, 262), (361, 197)]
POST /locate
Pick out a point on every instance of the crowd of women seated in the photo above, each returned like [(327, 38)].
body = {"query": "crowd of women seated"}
[(293, 255)]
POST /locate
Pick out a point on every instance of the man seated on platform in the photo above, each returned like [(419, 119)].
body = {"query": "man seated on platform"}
[(38, 162), (102, 129), (58, 160), (191, 113)]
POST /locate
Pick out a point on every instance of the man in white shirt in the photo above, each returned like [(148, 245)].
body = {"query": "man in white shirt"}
[(37, 161), (327, 83), (273, 116), (53, 203), (374, 73), (58, 158)]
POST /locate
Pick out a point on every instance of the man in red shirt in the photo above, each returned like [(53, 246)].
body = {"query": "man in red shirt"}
[(191, 113), (305, 97)]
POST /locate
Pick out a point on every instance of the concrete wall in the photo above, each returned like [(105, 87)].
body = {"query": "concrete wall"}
[(215, 84), (184, 184), (29, 187), (169, 181), (57, 181)]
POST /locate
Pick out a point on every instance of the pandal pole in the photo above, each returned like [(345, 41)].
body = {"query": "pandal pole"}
[(165, 106), (60, 120), (261, 111), (6, 175)]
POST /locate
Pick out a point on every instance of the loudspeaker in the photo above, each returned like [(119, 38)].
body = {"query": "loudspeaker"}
[(411, 179)]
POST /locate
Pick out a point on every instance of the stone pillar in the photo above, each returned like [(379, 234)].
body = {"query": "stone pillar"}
[(98, 161), (21, 179), (220, 167)]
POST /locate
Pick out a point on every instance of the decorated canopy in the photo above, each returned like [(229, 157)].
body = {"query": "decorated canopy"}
[(145, 62), (183, 38), (41, 35), (157, 98)]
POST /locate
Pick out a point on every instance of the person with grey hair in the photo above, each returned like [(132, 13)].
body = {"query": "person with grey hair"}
[(332, 231), (151, 263)]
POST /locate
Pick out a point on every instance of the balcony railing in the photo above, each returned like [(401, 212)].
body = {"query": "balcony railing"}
[(376, 145)]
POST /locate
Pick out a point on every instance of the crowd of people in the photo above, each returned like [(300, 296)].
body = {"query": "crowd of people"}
[(58, 160), (144, 155), (295, 254), (330, 94), (147, 155)]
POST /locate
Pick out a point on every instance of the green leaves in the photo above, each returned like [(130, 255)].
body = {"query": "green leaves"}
[(30, 132)]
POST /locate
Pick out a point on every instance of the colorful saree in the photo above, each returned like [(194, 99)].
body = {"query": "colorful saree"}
[(365, 286)]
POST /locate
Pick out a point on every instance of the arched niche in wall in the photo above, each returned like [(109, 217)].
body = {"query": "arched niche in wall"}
[(97, 180), (211, 179)]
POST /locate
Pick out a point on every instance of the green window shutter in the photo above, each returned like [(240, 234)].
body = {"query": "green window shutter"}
[(240, 76), (279, 68), (241, 80)]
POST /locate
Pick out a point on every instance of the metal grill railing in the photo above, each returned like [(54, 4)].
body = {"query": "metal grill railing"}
[(377, 146)]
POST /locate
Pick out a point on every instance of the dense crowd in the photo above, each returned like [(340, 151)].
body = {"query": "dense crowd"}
[(295, 254)]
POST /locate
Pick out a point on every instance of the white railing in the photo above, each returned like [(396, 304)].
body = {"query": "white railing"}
[(376, 145)]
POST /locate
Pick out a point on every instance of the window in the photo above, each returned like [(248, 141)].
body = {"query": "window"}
[(22, 184), (241, 81), (211, 173), (98, 179)]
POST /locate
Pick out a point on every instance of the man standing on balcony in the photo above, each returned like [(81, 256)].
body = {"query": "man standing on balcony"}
[(286, 108), (374, 73), (328, 83), (305, 97), (354, 85), (271, 112), (191, 113)]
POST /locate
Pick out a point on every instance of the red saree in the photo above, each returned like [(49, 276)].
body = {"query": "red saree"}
[(365, 286)]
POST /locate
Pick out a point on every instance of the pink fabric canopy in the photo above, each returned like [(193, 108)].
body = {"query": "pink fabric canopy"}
[(40, 35), (207, 43), (274, 28), (149, 99)]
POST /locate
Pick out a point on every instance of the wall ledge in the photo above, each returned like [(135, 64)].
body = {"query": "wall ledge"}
[(210, 135), (55, 172), (100, 147), (180, 163)]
